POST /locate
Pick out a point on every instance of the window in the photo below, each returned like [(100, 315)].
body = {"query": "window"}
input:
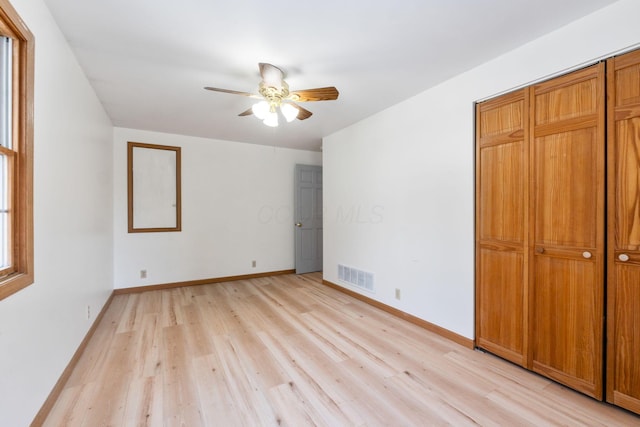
[(16, 152)]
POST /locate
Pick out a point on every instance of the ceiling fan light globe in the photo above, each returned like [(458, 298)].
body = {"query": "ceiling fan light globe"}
[(289, 112), (271, 120), (261, 109)]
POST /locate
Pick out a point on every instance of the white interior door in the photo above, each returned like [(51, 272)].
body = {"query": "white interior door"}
[(308, 218)]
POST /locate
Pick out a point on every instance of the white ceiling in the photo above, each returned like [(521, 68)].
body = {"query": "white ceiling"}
[(148, 60)]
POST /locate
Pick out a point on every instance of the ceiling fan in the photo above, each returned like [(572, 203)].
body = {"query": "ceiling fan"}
[(275, 94)]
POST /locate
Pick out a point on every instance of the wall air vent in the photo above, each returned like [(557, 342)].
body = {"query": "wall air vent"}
[(353, 276)]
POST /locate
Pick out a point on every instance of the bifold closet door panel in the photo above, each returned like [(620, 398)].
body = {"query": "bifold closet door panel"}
[(568, 248), (501, 194), (623, 314)]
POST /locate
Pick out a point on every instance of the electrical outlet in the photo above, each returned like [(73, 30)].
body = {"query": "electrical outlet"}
[(397, 293), (143, 274), (253, 263), (88, 312)]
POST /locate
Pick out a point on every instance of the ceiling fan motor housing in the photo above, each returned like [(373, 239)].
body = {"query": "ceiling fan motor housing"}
[(274, 95)]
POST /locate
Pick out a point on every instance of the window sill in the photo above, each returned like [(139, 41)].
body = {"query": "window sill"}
[(14, 283)]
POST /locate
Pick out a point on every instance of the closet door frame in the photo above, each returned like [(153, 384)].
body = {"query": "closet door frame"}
[(594, 385)]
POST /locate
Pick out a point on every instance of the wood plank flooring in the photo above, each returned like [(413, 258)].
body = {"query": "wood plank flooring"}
[(287, 350)]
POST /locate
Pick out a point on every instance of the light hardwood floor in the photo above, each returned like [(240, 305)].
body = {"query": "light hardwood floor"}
[(287, 350)]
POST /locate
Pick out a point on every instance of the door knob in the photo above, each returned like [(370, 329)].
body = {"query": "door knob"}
[(298, 224), (623, 257), (586, 254), (540, 250)]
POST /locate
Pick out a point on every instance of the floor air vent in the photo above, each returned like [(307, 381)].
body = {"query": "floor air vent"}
[(353, 276)]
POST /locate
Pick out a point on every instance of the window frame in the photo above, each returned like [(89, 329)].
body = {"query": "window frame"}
[(21, 273)]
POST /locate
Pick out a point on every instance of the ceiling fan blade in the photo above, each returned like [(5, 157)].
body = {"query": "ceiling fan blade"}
[(271, 75), (233, 92), (246, 112), (303, 112), (318, 94)]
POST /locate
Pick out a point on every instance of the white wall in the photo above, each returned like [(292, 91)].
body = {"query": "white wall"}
[(399, 186), (42, 325), (237, 204)]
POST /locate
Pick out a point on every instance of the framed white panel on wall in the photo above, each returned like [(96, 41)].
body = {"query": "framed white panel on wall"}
[(153, 178)]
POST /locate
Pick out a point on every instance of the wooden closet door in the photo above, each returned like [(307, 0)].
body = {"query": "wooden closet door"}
[(567, 249), (623, 281), (501, 224)]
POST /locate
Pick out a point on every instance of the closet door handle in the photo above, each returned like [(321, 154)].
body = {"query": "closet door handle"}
[(623, 257), (539, 249), (586, 254)]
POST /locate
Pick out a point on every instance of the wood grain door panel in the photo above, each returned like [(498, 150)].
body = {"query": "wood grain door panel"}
[(500, 318), (627, 188), (502, 116), (567, 322), (565, 177), (568, 247), (501, 225), (626, 355), (502, 192), (623, 252), (565, 98)]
